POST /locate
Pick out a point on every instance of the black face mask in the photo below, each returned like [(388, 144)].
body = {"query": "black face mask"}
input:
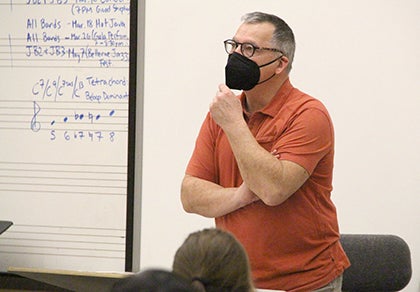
[(243, 73)]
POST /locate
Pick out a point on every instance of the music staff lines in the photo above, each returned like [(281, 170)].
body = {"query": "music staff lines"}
[(63, 241), (95, 167), (57, 122), (93, 193), (67, 234), (54, 180), (23, 115), (65, 168), (42, 236), (79, 185), (33, 246), (63, 178), (69, 183), (67, 227), (63, 123), (62, 248), (58, 177), (77, 131), (16, 178), (62, 171), (58, 117), (64, 255)]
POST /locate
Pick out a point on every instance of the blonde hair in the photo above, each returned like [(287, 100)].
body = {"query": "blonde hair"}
[(213, 260)]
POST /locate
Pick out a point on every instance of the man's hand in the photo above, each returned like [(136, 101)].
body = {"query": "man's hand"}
[(212, 200), (226, 108), (246, 195)]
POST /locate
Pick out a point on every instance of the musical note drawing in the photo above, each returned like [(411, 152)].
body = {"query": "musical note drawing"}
[(35, 125)]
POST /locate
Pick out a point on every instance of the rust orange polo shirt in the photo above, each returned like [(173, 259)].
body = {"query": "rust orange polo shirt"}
[(293, 246)]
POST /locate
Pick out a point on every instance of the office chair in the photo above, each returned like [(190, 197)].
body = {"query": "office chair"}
[(379, 262)]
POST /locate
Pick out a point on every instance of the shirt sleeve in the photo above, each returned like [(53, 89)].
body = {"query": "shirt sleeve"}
[(202, 162), (308, 138)]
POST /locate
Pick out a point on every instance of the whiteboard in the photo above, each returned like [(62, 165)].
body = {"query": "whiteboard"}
[(64, 117)]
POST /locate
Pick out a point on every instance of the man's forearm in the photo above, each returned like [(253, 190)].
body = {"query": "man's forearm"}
[(273, 181), (211, 200)]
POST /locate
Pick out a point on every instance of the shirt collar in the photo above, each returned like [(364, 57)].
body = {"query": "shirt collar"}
[(278, 100)]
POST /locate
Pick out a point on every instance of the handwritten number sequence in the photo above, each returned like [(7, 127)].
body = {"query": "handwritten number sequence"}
[(92, 136)]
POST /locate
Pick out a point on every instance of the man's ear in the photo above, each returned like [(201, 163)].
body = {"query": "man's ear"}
[(283, 62)]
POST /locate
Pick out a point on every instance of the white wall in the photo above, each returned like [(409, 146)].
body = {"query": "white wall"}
[(361, 58)]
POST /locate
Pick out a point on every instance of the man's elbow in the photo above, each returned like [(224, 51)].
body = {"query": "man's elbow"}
[(273, 201), (185, 203), (274, 198)]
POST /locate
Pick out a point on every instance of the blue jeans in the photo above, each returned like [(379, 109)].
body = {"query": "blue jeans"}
[(333, 286)]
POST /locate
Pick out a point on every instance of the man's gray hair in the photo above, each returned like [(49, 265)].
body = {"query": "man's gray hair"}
[(283, 37)]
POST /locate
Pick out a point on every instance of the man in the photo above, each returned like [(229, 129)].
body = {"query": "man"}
[(263, 162)]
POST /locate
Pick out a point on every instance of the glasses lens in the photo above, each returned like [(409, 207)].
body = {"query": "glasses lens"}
[(230, 46), (248, 50)]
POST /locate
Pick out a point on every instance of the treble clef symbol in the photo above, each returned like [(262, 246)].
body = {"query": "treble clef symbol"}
[(35, 125)]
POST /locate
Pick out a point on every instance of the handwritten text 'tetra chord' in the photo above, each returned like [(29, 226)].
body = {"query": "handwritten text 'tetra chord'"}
[(91, 88)]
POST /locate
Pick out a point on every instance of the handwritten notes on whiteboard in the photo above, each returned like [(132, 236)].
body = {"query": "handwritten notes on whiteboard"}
[(63, 133)]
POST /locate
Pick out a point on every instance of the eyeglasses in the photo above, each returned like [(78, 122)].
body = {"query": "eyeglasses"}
[(247, 49)]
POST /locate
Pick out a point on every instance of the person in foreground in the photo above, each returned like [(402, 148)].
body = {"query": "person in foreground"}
[(263, 162), (153, 280), (213, 261)]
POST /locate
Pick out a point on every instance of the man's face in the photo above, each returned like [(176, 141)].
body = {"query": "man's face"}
[(259, 35)]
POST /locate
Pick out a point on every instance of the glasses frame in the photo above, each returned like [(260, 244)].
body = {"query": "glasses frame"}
[(235, 45)]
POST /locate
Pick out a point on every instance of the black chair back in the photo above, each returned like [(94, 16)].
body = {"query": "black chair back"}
[(379, 262)]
